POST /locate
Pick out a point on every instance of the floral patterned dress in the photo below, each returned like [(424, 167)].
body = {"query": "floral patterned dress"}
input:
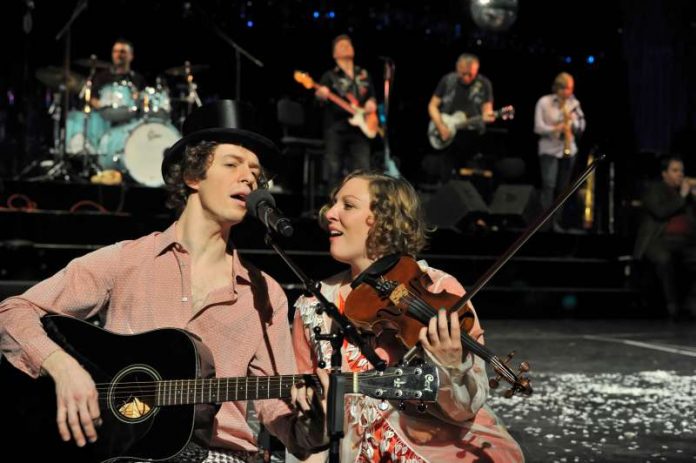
[(458, 428)]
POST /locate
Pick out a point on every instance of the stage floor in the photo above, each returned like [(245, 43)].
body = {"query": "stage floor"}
[(604, 390)]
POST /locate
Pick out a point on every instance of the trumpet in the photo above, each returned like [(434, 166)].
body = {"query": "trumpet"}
[(567, 130)]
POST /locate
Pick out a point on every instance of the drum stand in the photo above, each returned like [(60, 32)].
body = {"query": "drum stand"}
[(89, 165), (192, 97), (59, 168)]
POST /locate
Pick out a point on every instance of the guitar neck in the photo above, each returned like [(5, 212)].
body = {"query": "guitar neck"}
[(339, 101), (218, 390), (476, 119)]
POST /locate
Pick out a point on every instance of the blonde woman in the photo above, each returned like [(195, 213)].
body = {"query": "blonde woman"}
[(370, 216)]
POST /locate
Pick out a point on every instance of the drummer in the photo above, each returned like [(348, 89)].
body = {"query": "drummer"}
[(120, 70)]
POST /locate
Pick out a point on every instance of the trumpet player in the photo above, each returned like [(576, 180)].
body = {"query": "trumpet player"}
[(667, 236), (559, 121)]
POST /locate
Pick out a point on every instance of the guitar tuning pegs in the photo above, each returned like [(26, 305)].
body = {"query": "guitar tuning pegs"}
[(493, 383), (509, 393), (524, 367), (422, 406)]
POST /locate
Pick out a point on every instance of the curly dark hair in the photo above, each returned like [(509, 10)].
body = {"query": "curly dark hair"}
[(399, 220), (192, 166)]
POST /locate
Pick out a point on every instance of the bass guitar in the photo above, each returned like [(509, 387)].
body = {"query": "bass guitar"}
[(157, 391), (368, 123), (458, 121)]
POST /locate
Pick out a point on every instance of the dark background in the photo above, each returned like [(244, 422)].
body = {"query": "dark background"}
[(636, 93)]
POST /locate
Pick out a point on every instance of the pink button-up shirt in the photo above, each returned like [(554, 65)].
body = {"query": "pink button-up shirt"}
[(145, 284)]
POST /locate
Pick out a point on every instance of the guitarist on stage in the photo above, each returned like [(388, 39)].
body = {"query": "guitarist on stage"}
[(467, 91), (347, 147), (190, 277)]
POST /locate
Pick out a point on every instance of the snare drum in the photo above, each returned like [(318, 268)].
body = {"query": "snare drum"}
[(117, 101), (75, 131), (154, 102), (137, 148)]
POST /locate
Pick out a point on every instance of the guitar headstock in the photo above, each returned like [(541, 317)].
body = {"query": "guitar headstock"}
[(506, 113), (304, 79), (419, 382)]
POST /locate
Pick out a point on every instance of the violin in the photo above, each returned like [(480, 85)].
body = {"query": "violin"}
[(391, 296)]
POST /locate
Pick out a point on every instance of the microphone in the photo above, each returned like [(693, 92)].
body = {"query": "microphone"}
[(261, 205)]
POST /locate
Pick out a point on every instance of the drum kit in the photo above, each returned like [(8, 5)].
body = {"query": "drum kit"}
[(124, 136)]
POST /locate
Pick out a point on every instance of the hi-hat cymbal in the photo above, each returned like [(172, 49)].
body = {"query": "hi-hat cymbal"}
[(179, 71), (54, 77), (92, 63)]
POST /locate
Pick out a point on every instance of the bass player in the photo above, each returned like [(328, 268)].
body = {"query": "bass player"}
[(467, 91)]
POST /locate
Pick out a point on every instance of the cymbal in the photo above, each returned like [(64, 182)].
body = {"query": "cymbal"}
[(89, 63), (180, 71), (53, 77)]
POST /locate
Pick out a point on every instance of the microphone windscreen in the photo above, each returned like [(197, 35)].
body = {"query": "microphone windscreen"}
[(257, 197)]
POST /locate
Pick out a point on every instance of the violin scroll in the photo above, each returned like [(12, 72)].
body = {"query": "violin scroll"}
[(521, 382)]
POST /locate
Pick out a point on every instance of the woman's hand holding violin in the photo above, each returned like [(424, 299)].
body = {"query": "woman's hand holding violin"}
[(443, 339)]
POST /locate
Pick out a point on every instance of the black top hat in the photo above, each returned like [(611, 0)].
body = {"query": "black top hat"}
[(223, 121)]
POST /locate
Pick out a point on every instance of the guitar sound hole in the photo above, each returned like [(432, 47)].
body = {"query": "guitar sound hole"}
[(133, 394)]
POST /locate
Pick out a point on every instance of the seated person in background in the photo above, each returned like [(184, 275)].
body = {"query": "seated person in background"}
[(667, 235), (120, 70)]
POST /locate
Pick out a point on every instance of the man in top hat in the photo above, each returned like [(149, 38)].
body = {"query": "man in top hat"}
[(188, 277)]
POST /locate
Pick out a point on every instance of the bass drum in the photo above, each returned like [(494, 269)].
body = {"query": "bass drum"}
[(136, 149)]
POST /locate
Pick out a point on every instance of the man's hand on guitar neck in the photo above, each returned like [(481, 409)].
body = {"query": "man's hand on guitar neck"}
[(76, 393), (487, 113), (322, 92)]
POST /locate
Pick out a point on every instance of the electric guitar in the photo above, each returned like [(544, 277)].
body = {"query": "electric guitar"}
[(458, 121), (368, 123), (156, 393)]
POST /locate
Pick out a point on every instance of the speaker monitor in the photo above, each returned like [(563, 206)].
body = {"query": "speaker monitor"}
[(456, 201), (515, 205)]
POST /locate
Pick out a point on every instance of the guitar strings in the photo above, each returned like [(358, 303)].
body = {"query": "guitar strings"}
[(199, 384)]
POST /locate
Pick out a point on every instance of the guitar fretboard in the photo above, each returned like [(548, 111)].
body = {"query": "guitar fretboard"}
[(217, 390)]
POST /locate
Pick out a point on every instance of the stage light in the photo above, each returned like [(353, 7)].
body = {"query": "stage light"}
[(590, 59), (567, 60), (331, 14), (315, 14), (250, 23)]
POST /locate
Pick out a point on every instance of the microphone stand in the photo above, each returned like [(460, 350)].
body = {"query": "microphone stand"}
[(66, 31), (389, 165), (238, 51), (346, 330)]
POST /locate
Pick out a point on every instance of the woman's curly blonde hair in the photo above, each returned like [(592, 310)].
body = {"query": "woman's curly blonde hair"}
[(399, 225)]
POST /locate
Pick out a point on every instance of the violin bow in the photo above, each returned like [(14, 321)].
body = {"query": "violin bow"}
[(531, 230)]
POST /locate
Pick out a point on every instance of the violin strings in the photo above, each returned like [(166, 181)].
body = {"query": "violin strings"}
[(424, 311)]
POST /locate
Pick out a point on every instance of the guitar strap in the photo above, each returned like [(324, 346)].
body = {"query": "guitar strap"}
[(448, 97), (262, 303)]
